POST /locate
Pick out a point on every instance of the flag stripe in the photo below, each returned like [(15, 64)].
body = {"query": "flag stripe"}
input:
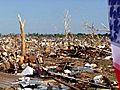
[(116, 56), (117, 66), (114, 25), (117, 74)]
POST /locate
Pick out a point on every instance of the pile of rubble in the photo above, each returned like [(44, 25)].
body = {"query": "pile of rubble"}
[(77, 64)]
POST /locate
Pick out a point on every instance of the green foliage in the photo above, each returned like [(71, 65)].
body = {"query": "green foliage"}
[(58, 35)]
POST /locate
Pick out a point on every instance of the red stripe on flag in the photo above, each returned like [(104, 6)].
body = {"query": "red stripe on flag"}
[(117, 73), (117, 66)]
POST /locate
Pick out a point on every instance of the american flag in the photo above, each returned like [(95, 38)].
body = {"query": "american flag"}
[(114, 25)]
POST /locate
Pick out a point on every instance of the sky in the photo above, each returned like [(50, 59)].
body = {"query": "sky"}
[(46, 16)]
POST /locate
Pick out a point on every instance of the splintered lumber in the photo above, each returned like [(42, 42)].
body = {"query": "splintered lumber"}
[(108, 82), (95, 85), (22, 24), (98, 85), (69, 85)]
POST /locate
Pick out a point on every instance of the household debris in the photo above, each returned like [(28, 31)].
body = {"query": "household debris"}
[(74, 62)]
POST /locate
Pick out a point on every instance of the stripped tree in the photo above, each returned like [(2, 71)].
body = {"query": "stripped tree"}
[(67, 26), (22, 24), (67, 20)]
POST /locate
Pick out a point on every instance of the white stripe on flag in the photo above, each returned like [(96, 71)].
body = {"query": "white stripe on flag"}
[(116, 56)]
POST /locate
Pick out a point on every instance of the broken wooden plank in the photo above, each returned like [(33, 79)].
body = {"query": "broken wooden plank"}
[(69, 85)]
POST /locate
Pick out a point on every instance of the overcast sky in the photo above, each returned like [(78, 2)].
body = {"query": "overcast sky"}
[(46, 16)]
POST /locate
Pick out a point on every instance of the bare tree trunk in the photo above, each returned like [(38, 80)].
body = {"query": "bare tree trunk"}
[(22, 35), (67, 20), (22, 39)]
